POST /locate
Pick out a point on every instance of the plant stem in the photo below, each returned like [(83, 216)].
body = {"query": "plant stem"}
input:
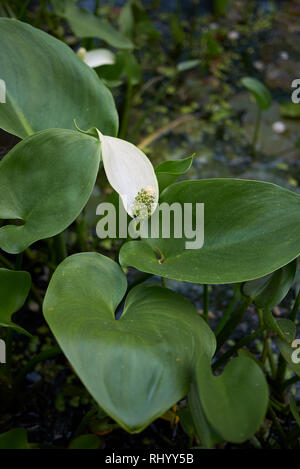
[(282, 364), (60, 247), (85, 420), (256, 130), (36, 294), (140, 279), (277, 424), (23, 9), (6, 263), (290, 382), (238, 345), (232, 323), (81, 233), (97, 5), (271, 361), (267, 352), (296, 307), (8, 343), (226, 315), (126, 110), (164, 282), (50, 353), (19, 261), (205, 302)]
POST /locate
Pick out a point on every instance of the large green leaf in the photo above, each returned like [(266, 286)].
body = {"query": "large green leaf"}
[(45, 181), (48, 86), (234, 403), (85, 24), (270, 290), (259, 91), (138, 366), (14, 288), (251, 228)]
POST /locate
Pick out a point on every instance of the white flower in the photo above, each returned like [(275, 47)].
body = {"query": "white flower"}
[(131, 174), (279, 127), (96, 57)]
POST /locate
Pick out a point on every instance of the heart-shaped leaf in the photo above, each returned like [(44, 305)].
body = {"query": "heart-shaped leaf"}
[(51, 87), (234, 403), (270, 290), (138, 366), (259, 91), (45, 181), (14, 288), (251, 228)]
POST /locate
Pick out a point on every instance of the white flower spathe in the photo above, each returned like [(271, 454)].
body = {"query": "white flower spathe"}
[(96, 57), (131, 174)]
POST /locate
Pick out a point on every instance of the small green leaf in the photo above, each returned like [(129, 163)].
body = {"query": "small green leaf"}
[(45, 181), (177, 30), (125, 66), (135, 367), (259, 91), (235, 402), (187, 65), (285, 328), (131, 67), (14, 439), (270, 290), (84, 25), (14, 288), (85, 442), (51, 88), (169, 171), (212, 45), (288, 352)]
